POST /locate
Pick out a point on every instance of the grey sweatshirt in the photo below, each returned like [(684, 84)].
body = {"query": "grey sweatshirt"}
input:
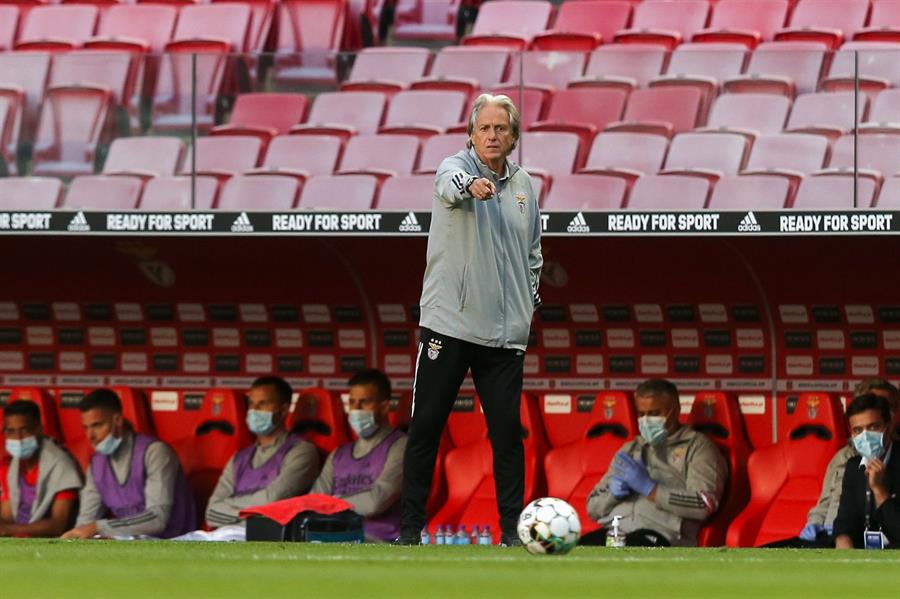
[(57, 472)]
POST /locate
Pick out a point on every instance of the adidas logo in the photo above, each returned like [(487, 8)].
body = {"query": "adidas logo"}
[(578, 225), (410, 224), (79, 223), (749, 224), (242, 224)]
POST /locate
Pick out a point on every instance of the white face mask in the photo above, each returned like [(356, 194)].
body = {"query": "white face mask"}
[(22, 449), (652, 428), (108, 445), (363, 423)]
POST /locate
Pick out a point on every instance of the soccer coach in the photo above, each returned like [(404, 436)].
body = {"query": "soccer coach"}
[(478, 297)]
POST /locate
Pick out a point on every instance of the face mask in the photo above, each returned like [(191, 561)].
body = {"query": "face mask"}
[(23, 449), (653, 428), (363, 423), (260, 422), (869, 444), (109, 445)]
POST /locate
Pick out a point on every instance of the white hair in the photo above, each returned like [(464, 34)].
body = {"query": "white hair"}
[(501, 101)]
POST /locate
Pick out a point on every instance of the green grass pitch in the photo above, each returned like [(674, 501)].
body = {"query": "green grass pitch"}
[(127, 570)]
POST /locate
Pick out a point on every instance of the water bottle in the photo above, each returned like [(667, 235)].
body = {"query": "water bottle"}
[(461, 537), (426, 537), (449, 536), (439, 536), (615, 537), (486, 538), (473, 536)]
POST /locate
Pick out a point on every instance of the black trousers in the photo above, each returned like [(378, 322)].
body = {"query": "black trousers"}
[(441, 366), (642, 537)]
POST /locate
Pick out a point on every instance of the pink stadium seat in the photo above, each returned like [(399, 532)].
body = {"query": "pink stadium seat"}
[(11, 101), (112, 71), (387, 70), (259, 192), (573, 470), (172, 110), (438, 147), (665, 23), (229, 22), (23, 75), (425, 20), (751, 192), (835, 191), (509, 24), (262, 15), (627, 155), (790, 156), (309, 36), (144, 156), (424, 112), (529, 100), (263, 115), (70, 127), (663, 110), (344, 114), (174, 193), (319, 417), (704, 67), (339, 192), (56, 28), (786, 478), (669, 192), (466, 69), (551, 69), (885, 113), (584, 25), (825, 21), (585, 192), (786, 68), (623, 65), (884, 23), (101, 192), (747, 22), (223, 156), (877, 151), (301, 156), (750, 114), (708, 155), (826, 113), (380, 155), (29, 193), (877, 67), (148, 27), (548, 154), (411, 192), (889, 198), (9, 21)]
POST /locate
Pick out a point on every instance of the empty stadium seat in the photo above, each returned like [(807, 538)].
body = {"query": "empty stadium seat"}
[(466, 69), (885, 113), (827, 113), (112, 71), (665, 23), (623, 65), (223, 155), (786, 68), (585, 192), (339, 192), (11, 101), (786, 478), (708, 155), (889, 197), (438, 147), (574, 470), (552, 69), (750, 192), (380, 155), (70, 127), (427, 20), (877, 67), (144, 156), (9, 21), (584, 25), (174, 193), (344, 114), (259, 192), (56, 28), (509, 24), (548, 154), (825, 21), (143, 27), (787, 155), (29, 193), (749, 114), (669, 192), (23, 76), (529, 101), (424, 112), (877, 151), (309, 37), (662, 110), (835, 191), (704, 67), (747, 22), (263, 115), (301, 156), (229, 22), (626, 155), (884, 23), (176, 91), (410, 192), (102, 192), (387, 70), (319, 417), (262, 16)]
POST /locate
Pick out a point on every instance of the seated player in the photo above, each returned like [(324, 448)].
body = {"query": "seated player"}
[(369, 471), (665, 482), (40, 489), (276, 466), (869, 511), (135, 478)]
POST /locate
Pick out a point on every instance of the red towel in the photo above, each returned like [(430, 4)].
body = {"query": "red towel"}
[(283, 511)]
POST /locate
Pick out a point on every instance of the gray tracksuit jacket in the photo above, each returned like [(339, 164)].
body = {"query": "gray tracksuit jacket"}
[(57, 471), (484, 257)]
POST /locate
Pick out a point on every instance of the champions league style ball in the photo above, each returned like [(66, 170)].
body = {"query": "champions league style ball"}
[(549, 526)]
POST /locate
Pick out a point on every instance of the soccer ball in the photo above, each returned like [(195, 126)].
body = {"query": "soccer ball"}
[(549, 526)]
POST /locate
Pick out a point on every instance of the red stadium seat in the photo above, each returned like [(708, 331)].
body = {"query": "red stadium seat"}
[(424, 112), (663, 110), (718, 416), (380, 155), (23, 76), (786, 68), (70, 127), (144, 156), (835, 191), (229, 22), (889, 198), (438, 147), (574, 470), (751, 192), (319, 417), (707, 155), (786, 478), (309, 36), (339, 192), (466, 69), (114, 72), (665, 23), (262, 15), (11, 101), (510, 24), (101, 192), (174, 91), (551, 69), (826, 113), (877, 67), (174, 193), (546, 155), (747, 22), (259, 192), (825, 21), (9, 21), (56, 28), (626, 155), (884, 23), (669, 192), (624, 66), (529, 101), (704, 67), (148, 27), (223, 155), (749, 114), (790, 156), (876, 151), (585, 192), (582, 26), (29, 193), (425, 20), (301, 156), (387, 70), (344, 114), (263, 115), (410, 192), (885, 114)]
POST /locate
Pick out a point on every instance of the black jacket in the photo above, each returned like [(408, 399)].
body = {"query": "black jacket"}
[(851, 517)]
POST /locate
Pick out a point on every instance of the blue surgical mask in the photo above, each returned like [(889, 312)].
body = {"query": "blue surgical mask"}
[(363, 423), (653, 428), (22, 449), (260, 422), (869, 444), (108, 445)]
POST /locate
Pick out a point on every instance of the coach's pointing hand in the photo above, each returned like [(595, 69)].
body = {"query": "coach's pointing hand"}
[(482, 189)]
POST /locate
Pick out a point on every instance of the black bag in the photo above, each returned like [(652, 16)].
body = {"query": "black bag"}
[(310, 527)]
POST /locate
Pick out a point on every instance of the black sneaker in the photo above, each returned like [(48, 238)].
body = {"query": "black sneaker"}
[(510, 540)]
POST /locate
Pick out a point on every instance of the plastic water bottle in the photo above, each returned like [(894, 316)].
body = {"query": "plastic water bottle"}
[(449, 536), (439, 536), (473, 536), (461, 537), (614, 537), (485, 538), (426, 536)]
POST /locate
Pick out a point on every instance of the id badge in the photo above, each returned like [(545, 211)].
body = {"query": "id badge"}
[(873, 539)]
